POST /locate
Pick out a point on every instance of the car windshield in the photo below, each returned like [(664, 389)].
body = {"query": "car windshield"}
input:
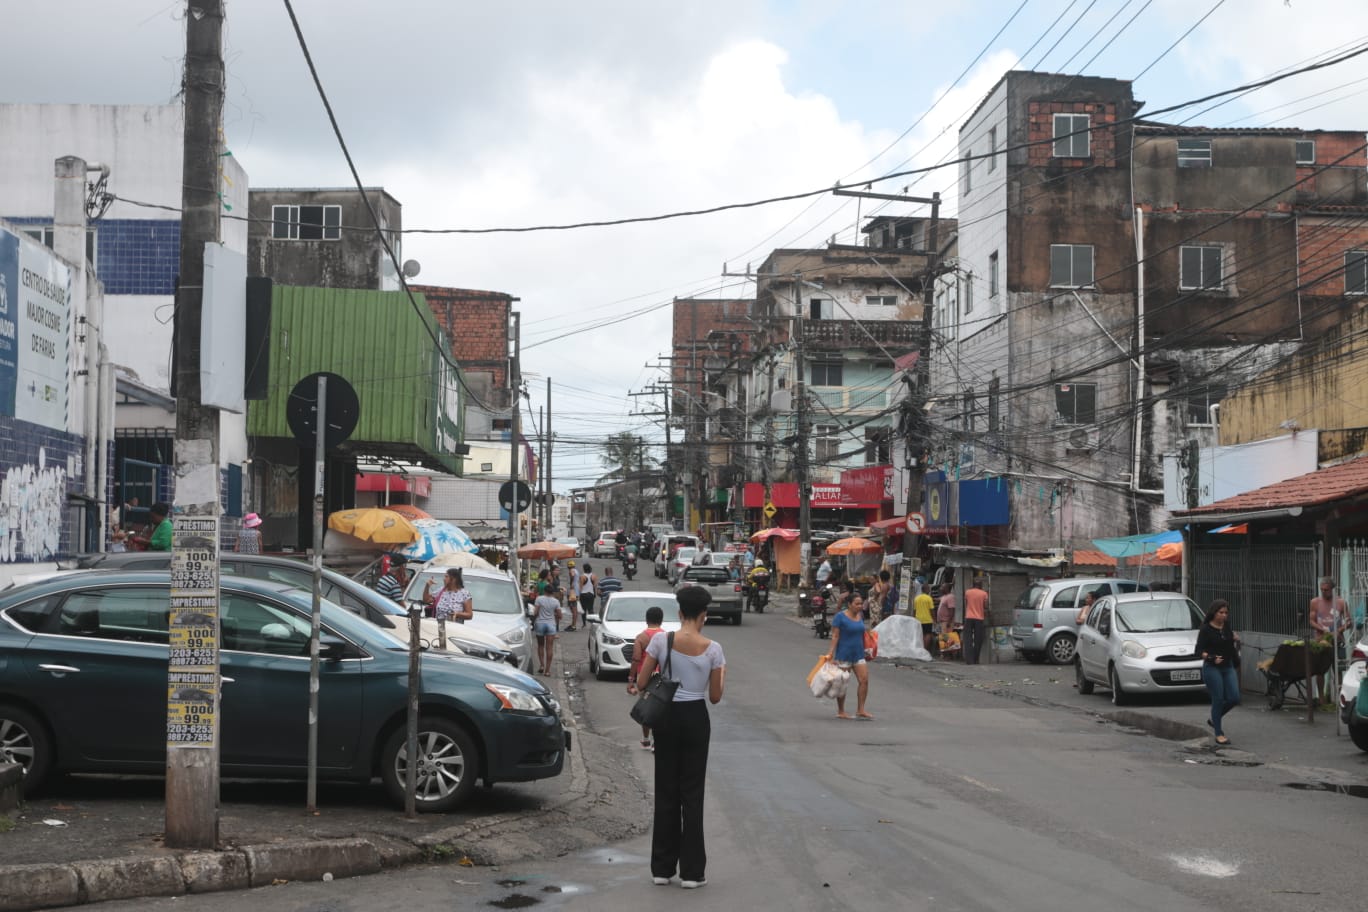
[(1161, 614), (496, 595), (633, 610)]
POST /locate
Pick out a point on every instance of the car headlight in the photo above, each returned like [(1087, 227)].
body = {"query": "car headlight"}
[(515, 700), (479, 650), (513, 637), (610, 640), (1133, 650)]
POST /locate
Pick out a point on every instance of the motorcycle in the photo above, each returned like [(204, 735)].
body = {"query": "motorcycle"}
[(757, 593), (821, 604), (629, 564)]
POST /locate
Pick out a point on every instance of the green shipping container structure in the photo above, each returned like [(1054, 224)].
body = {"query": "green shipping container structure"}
[(412, 399)]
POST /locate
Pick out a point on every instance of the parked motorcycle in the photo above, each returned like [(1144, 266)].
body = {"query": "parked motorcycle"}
[(821, 603), (757, 592)]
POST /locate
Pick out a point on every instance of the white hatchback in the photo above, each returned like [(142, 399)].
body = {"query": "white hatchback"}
[(498, 606), (1140, 643), (614, 628)]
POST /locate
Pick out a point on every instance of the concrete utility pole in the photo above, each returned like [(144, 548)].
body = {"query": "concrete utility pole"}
[(801, 463), (550, 498), (539, 502), (514, 431), (192, 767)]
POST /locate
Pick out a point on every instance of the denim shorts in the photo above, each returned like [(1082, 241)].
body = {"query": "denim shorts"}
[(544, 629)]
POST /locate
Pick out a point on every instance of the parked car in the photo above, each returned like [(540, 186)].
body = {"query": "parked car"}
[(571, 542), (1350, 684), (615, 626), (498, 606), (83, 688), (725, 591), (1140, 643), (1044, 620), (606, 544), (337, 588), (682, 560)]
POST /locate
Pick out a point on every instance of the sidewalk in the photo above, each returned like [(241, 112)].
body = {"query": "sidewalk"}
[(91, 839), (1259, 736)]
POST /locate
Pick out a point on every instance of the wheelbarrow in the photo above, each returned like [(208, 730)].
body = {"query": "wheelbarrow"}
[(1286, 671)]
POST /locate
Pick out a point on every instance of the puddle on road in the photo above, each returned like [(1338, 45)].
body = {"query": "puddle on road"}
[(613, 857), (1354, 791), (515, 901)]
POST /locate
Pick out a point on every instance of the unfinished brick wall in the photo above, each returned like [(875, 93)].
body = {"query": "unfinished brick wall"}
[(1040, 133), (478, 323)]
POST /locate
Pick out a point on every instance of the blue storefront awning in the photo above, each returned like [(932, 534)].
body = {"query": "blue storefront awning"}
[(1136, 545)]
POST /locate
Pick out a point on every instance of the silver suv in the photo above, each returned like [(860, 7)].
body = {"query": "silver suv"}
[(1044, 620)]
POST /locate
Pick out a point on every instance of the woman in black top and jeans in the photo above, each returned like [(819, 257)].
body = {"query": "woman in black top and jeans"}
[(1219, 647)]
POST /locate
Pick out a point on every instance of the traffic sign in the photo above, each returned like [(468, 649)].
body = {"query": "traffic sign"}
[(515, 497), (301, 410), (770, 510), (916, 523)]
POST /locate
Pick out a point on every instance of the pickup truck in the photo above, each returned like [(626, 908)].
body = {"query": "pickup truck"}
[(725, 591)]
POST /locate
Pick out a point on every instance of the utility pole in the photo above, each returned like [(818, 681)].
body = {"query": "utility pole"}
[(801, 465), (550, 445), (514, 432), (539, 508), (192, 757)]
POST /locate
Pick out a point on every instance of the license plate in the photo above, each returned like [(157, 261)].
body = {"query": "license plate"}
[(1185, 674)]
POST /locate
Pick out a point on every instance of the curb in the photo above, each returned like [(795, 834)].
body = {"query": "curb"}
[(43, 886)]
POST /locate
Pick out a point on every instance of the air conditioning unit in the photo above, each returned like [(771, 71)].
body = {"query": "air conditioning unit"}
[(782, 400), (1078, 441)]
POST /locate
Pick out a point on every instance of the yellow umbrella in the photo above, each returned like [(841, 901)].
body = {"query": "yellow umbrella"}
[(853, 546), (373, 524)]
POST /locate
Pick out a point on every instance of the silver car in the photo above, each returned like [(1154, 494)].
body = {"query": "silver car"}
[(1044, 619), (498, 606), (614, 628), (1140, 643), (683, 559)]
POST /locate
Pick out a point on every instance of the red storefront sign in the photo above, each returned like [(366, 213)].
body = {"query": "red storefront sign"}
[(379, 482), (785, 495), (870, 484)]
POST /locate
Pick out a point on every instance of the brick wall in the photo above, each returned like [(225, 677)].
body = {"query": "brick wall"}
[(1040, 133), (1322, 242), (478, 323), (38, 468)]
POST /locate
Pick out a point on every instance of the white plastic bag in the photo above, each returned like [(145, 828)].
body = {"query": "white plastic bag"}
[(900, 637), (830, 681)]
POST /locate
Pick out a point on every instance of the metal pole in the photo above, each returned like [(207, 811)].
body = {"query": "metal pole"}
[(550, 459), (515, 430), (316, 614), (411, 742), (804, 483)]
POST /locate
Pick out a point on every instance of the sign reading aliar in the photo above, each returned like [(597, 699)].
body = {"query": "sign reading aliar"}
[(35, 327)]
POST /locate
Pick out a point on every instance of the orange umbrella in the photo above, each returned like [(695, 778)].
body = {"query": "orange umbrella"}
[(853, 546), (786, 534), (408, 511), (546, 550)]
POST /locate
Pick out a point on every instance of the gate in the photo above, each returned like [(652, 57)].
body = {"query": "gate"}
[(1268, 586), (1349, 567)]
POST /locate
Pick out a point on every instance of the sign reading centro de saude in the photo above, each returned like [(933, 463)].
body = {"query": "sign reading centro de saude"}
[(192, 681), (35, 318)]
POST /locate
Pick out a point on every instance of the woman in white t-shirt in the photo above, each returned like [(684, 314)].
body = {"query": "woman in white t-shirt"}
[(453, 603)]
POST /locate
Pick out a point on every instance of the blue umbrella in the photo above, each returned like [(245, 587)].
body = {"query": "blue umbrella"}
[(437, 537)]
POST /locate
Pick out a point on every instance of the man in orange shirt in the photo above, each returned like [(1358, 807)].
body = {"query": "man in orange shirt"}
[(975, 610)]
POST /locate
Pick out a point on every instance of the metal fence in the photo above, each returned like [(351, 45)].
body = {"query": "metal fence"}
[(1349, 567), (1268, 586)]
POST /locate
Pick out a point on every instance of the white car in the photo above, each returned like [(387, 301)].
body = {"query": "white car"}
[(606, 544), (682, 560), (570, 542), (1140, 643), (614, 627), (1349, 694), (498, 607)]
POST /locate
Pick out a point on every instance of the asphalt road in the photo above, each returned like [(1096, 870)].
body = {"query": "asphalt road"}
[(954, 797)]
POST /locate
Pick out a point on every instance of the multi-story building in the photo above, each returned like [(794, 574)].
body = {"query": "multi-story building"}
[(324, 237), (1115, 277)]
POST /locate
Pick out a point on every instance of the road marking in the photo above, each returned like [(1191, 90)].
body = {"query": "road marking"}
[(1207, 867), (983, 785)]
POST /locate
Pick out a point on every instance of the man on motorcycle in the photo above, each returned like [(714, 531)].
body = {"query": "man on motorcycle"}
[(757, 587)]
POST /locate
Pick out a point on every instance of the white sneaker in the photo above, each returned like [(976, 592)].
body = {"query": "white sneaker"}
[(693, 884), (661, 881)]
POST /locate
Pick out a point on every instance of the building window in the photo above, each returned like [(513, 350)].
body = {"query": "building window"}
[(968, 171), (827, 372), (1199, 403), (1071, 137), (993, 274), (881, 300), (969, 293), (992, 148), (878, 448), (1194, 153), (1200, 267), (995, 405), (1071, 265), (1076, 403), (306, 223), (1356, 272), (43, 235), (1306, 151), (821, 309), (827, 446)]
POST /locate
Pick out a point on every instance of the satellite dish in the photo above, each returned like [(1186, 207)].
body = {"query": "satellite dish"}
[(412, 268)]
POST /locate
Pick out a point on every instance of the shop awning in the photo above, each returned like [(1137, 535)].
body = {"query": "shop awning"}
[(890, 527), (1136, 545)]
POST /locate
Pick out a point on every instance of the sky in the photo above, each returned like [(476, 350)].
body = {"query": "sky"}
[(479, 115)]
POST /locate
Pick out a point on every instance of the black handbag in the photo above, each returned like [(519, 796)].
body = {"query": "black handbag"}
[(653, 706)]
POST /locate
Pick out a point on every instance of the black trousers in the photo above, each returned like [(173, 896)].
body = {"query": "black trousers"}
[(681, 766), (586, 602), (973, 640)]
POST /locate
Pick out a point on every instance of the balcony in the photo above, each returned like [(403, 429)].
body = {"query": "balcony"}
[(870, 334), (843, 399)]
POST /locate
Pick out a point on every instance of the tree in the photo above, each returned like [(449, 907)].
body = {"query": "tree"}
[(624, 454)]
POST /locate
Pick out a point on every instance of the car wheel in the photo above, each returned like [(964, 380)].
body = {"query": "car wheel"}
[(1118, 696), (448, 765), (24, 740), (1358, 732), (1060, 649), (593, 665), (1085, 686), (1035, 658)]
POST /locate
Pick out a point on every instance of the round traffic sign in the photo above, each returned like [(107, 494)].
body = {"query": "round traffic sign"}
[(515, 497), (301, 410), (916, 523)]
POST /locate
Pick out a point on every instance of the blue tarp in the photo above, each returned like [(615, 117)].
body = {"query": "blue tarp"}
[(1136, 545)]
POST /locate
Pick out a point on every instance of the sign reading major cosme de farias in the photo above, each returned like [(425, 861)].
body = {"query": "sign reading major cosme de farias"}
[(35, 318), (192, 681)]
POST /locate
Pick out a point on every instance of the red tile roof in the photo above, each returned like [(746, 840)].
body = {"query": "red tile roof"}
[(1085, 558), (1319, 487)]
